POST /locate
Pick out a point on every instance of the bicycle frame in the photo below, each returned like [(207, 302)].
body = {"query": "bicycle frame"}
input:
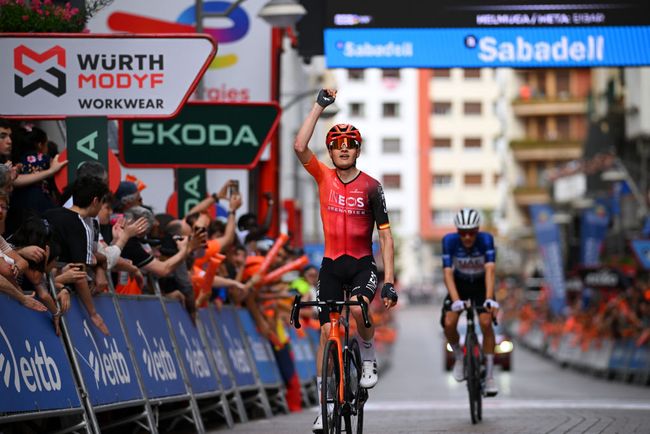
[(335, 322)]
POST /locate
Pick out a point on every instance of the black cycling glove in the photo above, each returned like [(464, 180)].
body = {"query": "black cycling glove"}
[(388, 291), (324, 99)]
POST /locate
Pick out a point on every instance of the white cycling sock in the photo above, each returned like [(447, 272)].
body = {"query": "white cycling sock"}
[(319, 381), (489, 365), (458, 351), (366, 348)]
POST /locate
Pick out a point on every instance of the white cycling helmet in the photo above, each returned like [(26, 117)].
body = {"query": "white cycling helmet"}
[(467, 219)]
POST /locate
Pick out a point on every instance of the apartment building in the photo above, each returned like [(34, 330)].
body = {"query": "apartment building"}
[(382, 104)]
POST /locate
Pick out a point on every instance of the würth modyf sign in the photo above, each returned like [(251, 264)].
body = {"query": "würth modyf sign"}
[(214, 135), (57, 76)]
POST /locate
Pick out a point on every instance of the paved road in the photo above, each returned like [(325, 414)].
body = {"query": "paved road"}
[(416, 396)]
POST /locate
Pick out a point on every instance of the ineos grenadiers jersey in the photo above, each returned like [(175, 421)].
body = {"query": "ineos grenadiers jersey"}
[(468, 264), (348, 210)]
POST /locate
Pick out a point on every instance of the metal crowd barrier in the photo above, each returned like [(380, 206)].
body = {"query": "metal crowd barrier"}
[(156, 365), (621, 359)]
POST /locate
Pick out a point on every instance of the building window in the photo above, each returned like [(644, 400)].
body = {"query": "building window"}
[(442, 180), (472, 143), (390, 109), (497, 178), (473, 179), (443, 217), (392, 180), (441, 143), (395, 216), (442, 73), (563, 79), (441, 107), (356, 74), (357, 109), (391, 145), (563, 127), (472, 108), (472, 73), (390, 73)]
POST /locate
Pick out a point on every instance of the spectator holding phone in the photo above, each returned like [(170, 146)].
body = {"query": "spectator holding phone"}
[(141, 254)]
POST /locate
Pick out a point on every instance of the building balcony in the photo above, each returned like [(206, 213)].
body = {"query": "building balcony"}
[(546, 150), (549, 106), (530, 195)]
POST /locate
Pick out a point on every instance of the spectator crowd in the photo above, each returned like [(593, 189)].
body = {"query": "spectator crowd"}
[(591, 315), (88, 240)]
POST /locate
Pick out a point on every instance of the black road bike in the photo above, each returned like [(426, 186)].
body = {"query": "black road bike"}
[(474, 365)]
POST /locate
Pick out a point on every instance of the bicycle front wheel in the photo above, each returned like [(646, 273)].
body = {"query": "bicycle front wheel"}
[(330, 405), (355, 395), (472, 366)]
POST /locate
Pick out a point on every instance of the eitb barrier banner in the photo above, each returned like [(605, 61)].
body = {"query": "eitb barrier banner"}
[(261, 350), (35, 373), (201, 377), (154, 352), (303, 353), (104, 361), (233, 343), (215, 349)]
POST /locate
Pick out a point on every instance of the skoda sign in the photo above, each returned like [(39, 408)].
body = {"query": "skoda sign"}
[(203, 135), (63, 75)]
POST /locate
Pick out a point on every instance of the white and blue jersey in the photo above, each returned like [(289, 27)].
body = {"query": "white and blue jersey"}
[(468, 264)]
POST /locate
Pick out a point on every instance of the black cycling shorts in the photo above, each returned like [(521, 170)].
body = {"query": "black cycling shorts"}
[(360, 275), (467, 290)]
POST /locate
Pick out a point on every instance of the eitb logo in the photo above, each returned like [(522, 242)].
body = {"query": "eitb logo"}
[(28, 80)]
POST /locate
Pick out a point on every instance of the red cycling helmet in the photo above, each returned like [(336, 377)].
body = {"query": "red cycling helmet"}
[(340, 131)]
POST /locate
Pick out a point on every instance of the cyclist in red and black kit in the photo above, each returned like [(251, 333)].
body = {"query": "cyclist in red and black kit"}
[(351, 204)]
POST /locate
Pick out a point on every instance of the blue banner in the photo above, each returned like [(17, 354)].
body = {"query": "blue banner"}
[(35, 373), (516, 47), (593, 228), (548, 240), (641, 249), (193, 356), (260, 350), (215, 348), (149, 336), (304, 358), (233, 344), (105, 362)]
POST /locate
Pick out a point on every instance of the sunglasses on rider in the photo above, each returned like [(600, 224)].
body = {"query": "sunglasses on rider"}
[(343, 143), (467, 233)]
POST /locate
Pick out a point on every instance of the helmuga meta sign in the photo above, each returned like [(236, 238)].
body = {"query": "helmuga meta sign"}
[(100, 75)]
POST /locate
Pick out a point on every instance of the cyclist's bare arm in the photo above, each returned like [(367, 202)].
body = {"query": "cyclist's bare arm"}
[(301, 144), (387, 251), (448, 274), (490, 268)]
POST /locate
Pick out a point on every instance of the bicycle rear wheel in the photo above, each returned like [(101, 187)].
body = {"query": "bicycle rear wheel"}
[(472, 366), (330, 405), (355, 395)]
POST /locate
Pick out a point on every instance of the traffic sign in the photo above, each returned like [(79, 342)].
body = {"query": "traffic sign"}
[(203, 135)]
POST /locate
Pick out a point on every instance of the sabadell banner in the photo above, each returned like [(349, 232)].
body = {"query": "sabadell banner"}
[(56, 76), (240, 72)]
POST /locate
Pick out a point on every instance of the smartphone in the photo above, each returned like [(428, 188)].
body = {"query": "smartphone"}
[(234, 187)]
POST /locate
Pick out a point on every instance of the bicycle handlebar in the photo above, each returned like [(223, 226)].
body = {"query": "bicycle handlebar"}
[(469, 304), (297, 305)]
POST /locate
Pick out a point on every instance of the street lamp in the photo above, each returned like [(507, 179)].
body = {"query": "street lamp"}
[(282, 13)]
